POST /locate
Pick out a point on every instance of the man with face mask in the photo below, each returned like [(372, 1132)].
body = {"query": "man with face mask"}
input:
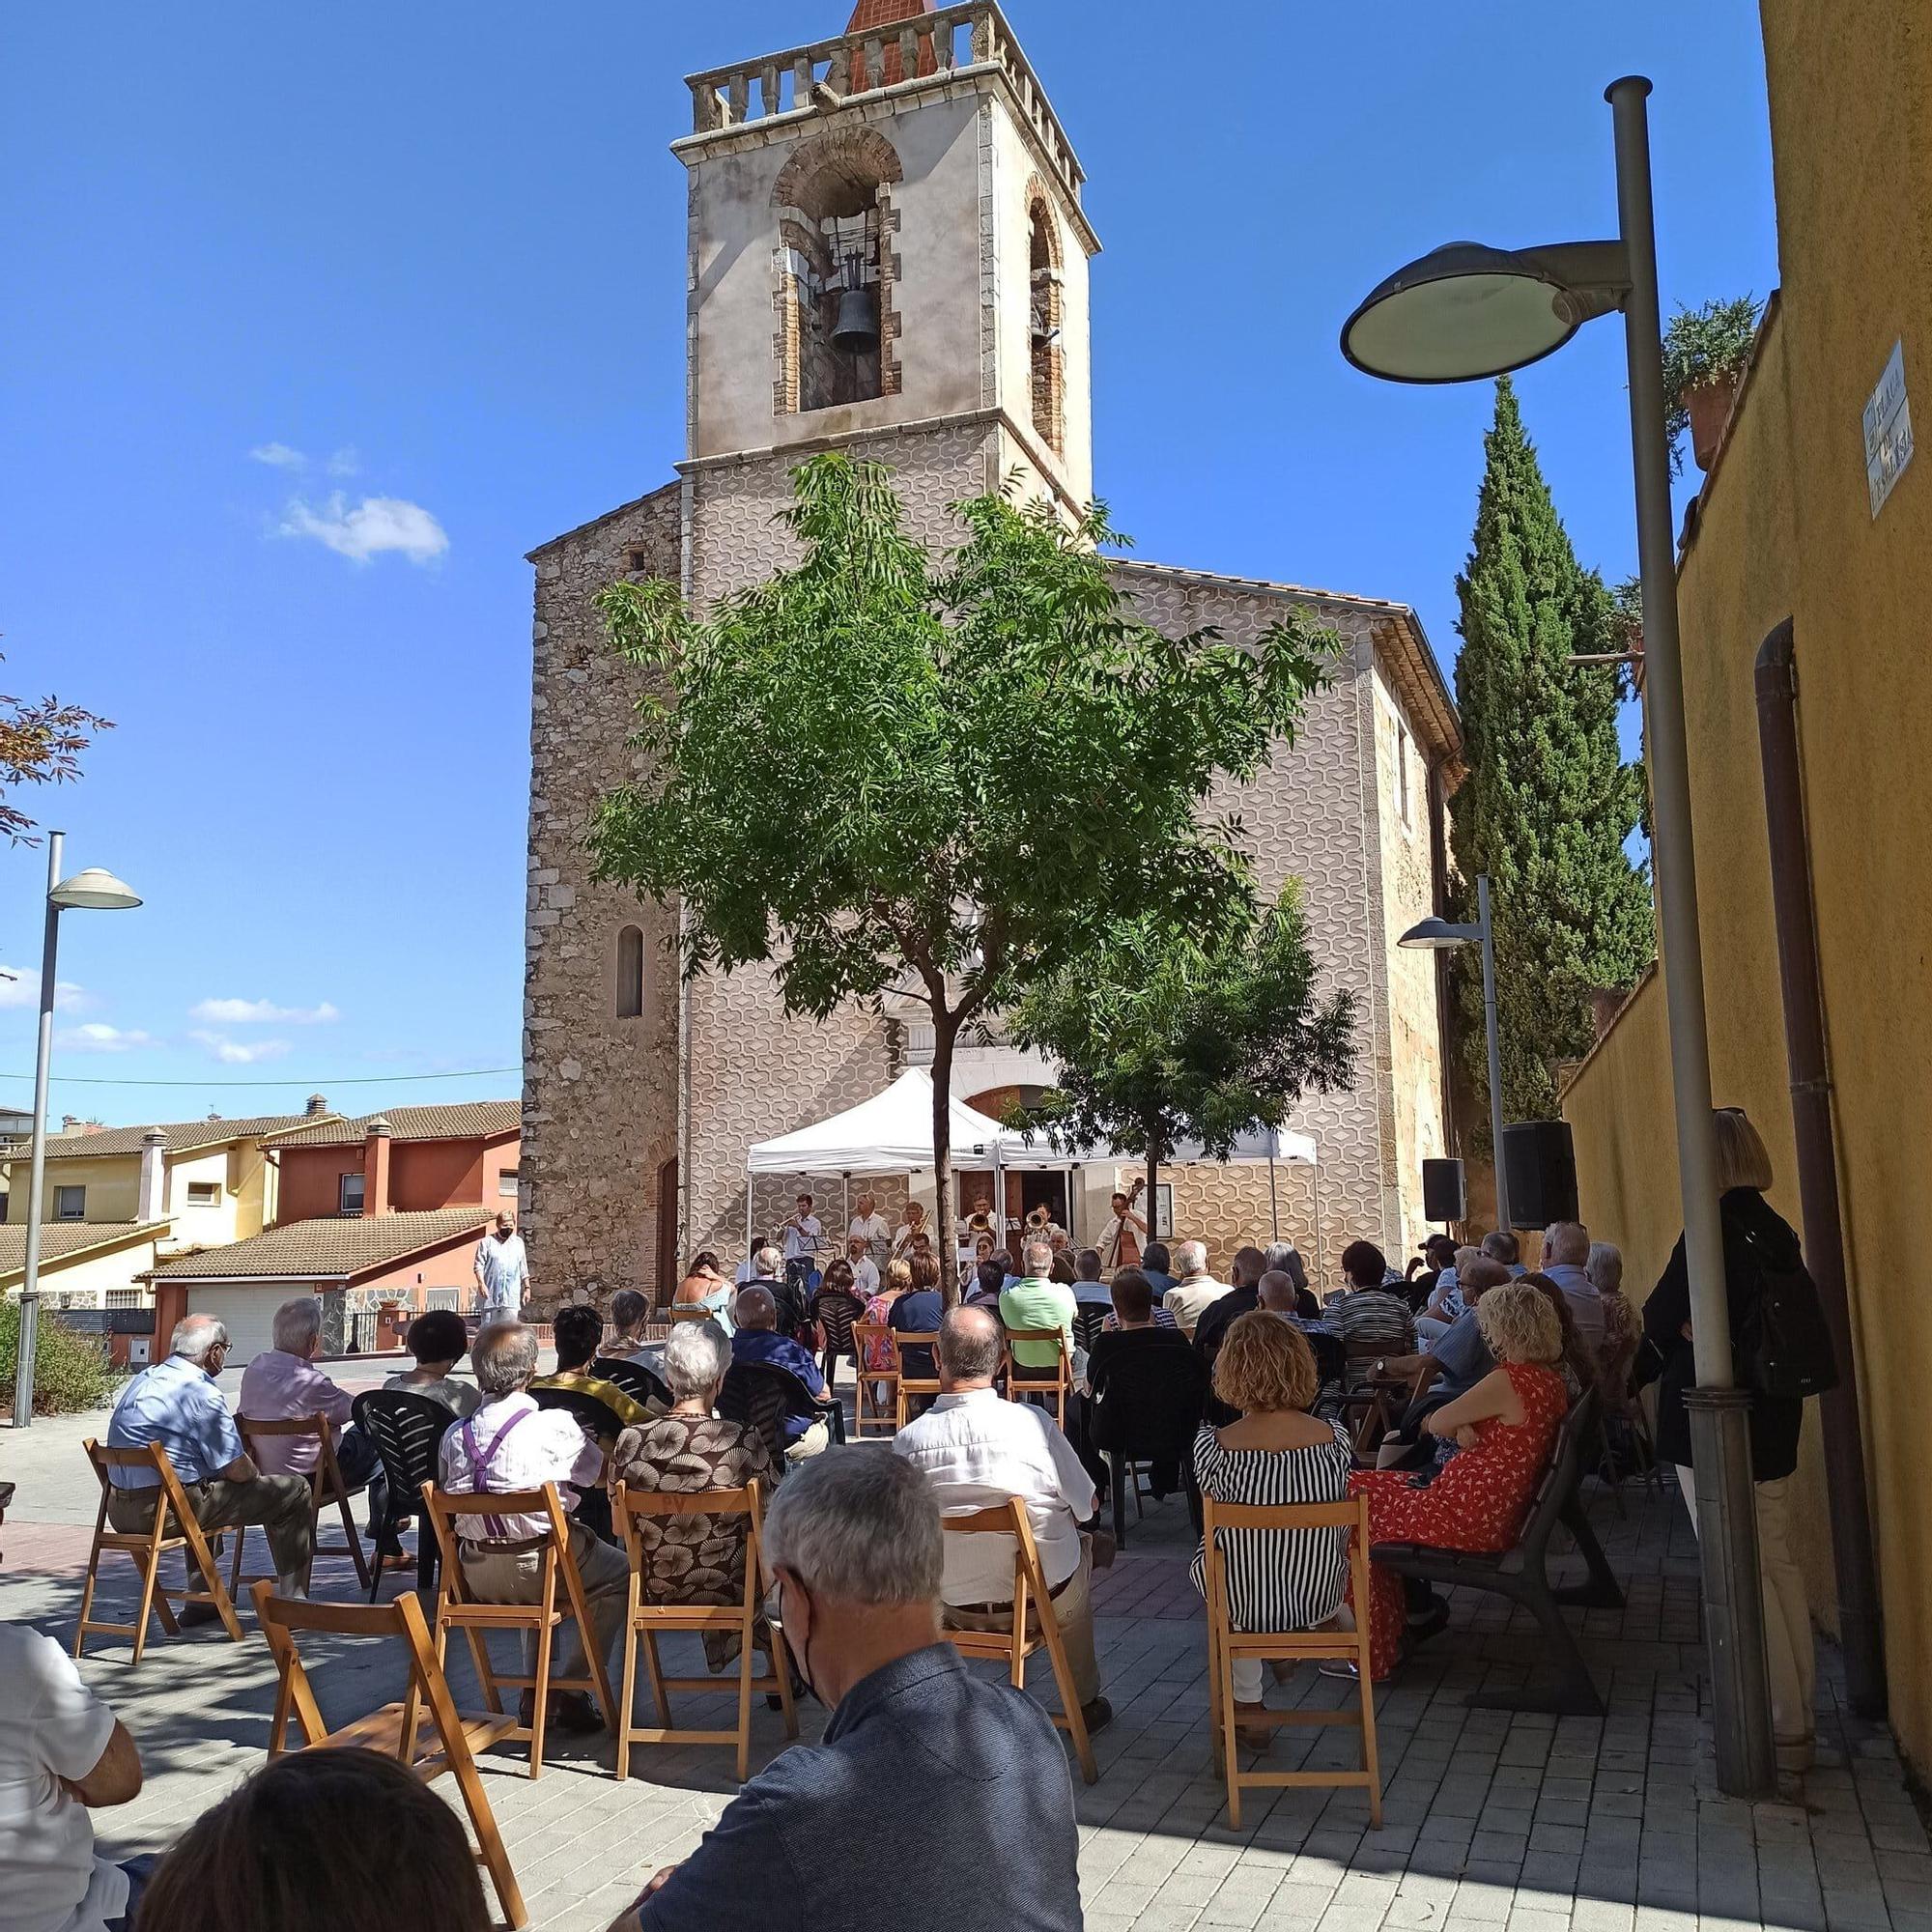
[(854, 1541)]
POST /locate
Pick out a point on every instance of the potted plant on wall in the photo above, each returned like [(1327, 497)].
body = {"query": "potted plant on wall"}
[(1705, 350)]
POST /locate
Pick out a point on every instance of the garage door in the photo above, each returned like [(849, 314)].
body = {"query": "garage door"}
[(247, 1312)]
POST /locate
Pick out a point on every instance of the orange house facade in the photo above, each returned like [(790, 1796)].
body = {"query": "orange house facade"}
[(410, 1160)]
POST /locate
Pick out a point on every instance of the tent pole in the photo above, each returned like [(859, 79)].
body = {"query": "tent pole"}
[(1314, 1171), (749, 1235), (840, 1246), (1274, 1207)]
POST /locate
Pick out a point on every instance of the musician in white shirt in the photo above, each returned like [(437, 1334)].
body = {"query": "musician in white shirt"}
[(867, 1224), (1125, 1236), (864, 1270), (511, 1444), (804, 1233)]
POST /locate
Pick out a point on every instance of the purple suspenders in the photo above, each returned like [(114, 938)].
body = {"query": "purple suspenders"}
[(480, 1465)]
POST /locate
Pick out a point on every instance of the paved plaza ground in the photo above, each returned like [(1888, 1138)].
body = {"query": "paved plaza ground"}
[(1493, 1821)]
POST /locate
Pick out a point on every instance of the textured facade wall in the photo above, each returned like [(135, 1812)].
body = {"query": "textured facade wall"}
[(600, 1112)]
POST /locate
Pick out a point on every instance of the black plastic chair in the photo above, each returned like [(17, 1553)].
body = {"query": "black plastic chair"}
[(592, 1414), (1146, 1408), (1089, 1321), (639, 1383), (1522, 1573), (836, 1311), (762, 1395), (407, 1430)]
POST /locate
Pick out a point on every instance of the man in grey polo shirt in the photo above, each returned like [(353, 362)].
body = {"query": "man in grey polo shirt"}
[(983, 1832)]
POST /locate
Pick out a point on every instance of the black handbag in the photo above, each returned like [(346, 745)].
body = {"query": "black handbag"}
[(1784, 1344)]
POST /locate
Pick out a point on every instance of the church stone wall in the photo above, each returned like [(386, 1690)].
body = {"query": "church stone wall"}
[(600, 1093)]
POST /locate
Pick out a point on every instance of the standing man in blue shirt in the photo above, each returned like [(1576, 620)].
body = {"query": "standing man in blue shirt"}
[(177, 1405), (757, 1343)]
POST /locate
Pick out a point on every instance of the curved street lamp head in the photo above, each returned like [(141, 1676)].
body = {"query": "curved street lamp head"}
[(1464, 311), (93, 891), (1438, 935)]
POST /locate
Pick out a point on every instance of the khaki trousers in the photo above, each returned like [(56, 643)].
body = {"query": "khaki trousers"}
[(515, 1576), (283, 1506), (1072, 1611), (1790, 1655)]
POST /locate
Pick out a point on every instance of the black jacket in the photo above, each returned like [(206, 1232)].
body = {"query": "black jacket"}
[(1775, 1420)]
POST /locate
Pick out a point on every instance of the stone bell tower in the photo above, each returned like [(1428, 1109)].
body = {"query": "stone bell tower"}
[(887, 255)]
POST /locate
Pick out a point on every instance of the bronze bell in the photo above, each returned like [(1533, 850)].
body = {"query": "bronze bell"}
[(856, 332)]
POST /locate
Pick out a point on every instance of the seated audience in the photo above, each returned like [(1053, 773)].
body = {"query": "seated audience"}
[(1273, 1453), (1566, 1249), (321, 1841), (917, 1313), (978, 1450), (579, 1332), (438, 1341), (62, 1753), (1460, 1357), (1197, 1291), (283, 1384), (839, 1295), (1437, 1292), (629, 1312), (864, 1270), (988, 1283), (1504, 1426), (758, 1344), (1578, 1364), (1146, 1383), (176, 1403), (787, 1285), (1156, 1265), (1503, 1246), (1245, 1273), (1367, 1315), (1038, 1301), (695, 1559), (705, 1288), (511, 1444), (983, 1830), (1060, 1267), (1623, 1326), (1285, 1258)]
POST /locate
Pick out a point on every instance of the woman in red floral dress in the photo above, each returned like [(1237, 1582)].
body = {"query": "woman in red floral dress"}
[(1503, 1427)]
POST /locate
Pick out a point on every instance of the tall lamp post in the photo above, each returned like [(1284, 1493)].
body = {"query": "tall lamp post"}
[(1464, 313), (90, 890), (1438, 935)]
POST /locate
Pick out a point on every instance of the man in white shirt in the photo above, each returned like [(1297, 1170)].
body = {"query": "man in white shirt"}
[(864, 1270), (502, 1272), (978, 1450), (508, 1444), (1566, 1247), (802, 1232), (1197, 1291), (61, 1753), (868, 1225)]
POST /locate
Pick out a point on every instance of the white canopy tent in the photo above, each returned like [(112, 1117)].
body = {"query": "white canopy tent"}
[(891, 1133)]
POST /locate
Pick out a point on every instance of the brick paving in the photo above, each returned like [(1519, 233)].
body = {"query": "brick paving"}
[(1493, 1821)]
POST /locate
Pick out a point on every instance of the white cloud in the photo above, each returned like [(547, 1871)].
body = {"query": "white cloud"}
[(239, 1053), (344, 462), (375, 525), (23, 989), (96, 1036), (280, 456), (261, 1012)]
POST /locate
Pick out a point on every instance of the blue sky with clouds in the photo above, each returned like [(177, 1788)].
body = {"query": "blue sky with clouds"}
[(322, 319)]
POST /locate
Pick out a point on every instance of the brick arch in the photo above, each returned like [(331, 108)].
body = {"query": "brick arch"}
[(857, 157), (1039, 209)]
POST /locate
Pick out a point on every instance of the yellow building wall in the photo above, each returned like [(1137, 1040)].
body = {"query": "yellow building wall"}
[(1785, 529), (90, 1274), (113, 1185)]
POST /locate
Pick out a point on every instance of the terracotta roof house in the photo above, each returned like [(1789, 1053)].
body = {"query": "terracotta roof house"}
[(409, 1160), (354, 1264)]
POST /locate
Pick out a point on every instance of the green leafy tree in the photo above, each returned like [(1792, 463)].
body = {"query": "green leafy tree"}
[(1164, 1038), (891, 771), (1548, 804), (41, 743)]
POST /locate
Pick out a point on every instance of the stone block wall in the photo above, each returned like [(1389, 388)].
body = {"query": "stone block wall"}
[(600, 1093)]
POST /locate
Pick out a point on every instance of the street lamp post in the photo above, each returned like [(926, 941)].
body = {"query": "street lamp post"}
[(1438, 935), (92, 891), (1464, 313)]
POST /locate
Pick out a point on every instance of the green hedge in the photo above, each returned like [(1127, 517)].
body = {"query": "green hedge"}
[(71, 1371)]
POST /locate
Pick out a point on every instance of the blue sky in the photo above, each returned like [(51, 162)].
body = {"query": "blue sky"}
[(323, 318)]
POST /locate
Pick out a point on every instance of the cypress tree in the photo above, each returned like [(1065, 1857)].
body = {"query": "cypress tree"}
[(1549, 801)]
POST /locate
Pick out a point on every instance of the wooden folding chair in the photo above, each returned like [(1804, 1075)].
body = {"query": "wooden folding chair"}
[(906, 1386), (650, 1621), (870, 1407), (1225, 1643), (326, 1486), (1031, 1599), (1025, 1383), (392, 1729), (174, 1527), (456, 1608)]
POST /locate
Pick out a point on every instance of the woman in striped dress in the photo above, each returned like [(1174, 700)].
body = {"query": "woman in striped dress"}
[(1275, 1453)]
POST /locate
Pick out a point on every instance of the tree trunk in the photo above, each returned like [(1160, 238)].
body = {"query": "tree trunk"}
[(945, 1234)]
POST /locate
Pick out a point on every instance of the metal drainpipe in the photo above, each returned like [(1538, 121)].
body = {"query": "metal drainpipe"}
[(1861, 1632)]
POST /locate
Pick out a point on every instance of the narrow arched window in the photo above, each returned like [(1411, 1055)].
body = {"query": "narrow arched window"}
[(1045, 321), (630, 973)]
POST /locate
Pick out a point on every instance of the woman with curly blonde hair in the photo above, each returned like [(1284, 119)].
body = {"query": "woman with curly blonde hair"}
[(1274, 1453), (1504, 1429)]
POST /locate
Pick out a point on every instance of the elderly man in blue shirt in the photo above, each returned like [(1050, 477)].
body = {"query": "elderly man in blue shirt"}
[(177, 1405), (982, 1833), (755, 1343)]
